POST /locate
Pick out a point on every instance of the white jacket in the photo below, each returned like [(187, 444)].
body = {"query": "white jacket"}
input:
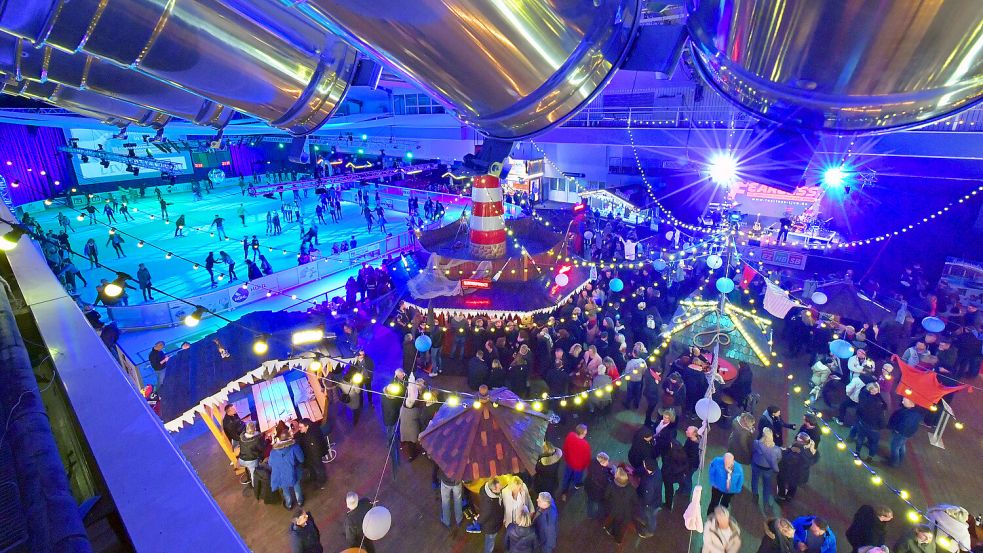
[(854, 387)]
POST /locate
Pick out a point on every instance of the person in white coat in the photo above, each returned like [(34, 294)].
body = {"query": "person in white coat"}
[(721, 534)]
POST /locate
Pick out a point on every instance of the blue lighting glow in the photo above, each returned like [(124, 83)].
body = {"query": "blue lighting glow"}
[(835, 177), (365, 137), (723, 168), (409, 155)]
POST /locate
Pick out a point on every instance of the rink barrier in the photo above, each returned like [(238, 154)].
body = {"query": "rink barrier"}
[(172, 313)]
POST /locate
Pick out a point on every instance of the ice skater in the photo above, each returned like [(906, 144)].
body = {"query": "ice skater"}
[(91, 253), (117, 241), (91, 210), (179, 227), (255, 247), (241, 212), (163, 207), (227, 259), (210, 267), (124, 210), (218, 223), (66, 224)]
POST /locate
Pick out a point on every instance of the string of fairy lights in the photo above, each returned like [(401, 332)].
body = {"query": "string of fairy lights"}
[(675, 221)]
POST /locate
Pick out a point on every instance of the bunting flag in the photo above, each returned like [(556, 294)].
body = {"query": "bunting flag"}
[(921, 386), (777, 301), (747, 275)]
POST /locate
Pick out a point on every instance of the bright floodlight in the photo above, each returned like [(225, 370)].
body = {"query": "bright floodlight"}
[(307, 336), (834, 177), (723, 168)]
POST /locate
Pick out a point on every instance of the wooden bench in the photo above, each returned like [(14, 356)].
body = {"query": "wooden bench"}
[(273, 403), (305, 400)]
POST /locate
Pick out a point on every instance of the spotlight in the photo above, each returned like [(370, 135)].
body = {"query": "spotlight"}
[(85, 158), (136, 171), (104, 163), (316, 365), (307, 336), (193, 319), (15, 184), (723, 168), (835, 177), (261, 345), (9, 240), (115, 288), (99, 147)]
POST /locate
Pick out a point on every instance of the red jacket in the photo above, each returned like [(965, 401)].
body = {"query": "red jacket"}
[(576, 452)]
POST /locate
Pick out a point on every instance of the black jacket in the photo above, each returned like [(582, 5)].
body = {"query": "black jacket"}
[(598, 480), (773, 541), (353, 522), (866, 528), (621, 502), (477, 372), (251, 449), (312, 443), (640, 448), (520, 539), (650, 488), (491, 512), (233, 426), (391, 404), (306, 538), (872, 410)]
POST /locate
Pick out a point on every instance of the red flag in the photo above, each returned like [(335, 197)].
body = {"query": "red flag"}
[(747, 275), (921, 386)]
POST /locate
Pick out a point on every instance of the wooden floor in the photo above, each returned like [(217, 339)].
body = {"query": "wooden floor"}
[(835, 490)]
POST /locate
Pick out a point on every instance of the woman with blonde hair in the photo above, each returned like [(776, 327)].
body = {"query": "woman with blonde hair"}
[(515, 499), (520, 536), (721, 534), (765, 456), (622, 502)]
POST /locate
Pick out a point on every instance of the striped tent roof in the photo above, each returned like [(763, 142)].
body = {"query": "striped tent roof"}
[(470, 444)]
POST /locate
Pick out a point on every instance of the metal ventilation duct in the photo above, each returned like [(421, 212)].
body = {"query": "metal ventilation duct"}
[(20, 58), (103, 108), (511, 69), (203, 46), (843, 66)]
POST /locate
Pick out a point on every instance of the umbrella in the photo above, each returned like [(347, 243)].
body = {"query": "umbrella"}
[(845, 300), (469, 443)]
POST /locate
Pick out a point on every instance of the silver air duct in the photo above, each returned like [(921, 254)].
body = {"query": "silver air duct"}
[(45, 64), (511, 69), (844, 66), (103, 108), (202, 46)]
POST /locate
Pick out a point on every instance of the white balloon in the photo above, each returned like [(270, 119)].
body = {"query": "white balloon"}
[(714, 261), (562, 279), (819, 298), (708, 410), (670, 234), (376, 523), (588, 235)]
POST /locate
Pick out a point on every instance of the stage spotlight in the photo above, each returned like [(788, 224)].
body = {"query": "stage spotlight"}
[(9, 240), (15, 184), (307, 336), (85, 158), (136, 171), (261, 345), (99, 146), (104, 163), (835, 177), (722, 168), (193, 319)]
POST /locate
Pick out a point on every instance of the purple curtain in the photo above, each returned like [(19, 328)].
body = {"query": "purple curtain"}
[(246, 159), (30, 155)]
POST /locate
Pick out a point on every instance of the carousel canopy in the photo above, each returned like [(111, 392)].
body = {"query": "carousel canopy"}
[(494, 439)]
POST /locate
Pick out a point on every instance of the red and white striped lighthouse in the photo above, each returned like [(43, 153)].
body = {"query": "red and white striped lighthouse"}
[(487, 218)]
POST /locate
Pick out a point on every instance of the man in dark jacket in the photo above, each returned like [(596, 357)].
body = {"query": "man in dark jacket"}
[(357, 508), (621, 502), (477, 370), (903, 424), (232, 425), (312, 442), (599, 478), (869, 526), (871, 419), (491, 512), (641, 448), (772, 418), (652, 392), (546, 522), (649, 495), (365, 365), (392, 402), (304, 535), (252, 449)]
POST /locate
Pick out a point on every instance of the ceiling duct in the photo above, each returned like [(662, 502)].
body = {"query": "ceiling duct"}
[(205, 47), (47, 64), (844, 66), (103, 108), (510, 69)]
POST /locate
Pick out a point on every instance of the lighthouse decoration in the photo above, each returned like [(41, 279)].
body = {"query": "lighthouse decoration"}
[(487, 221)]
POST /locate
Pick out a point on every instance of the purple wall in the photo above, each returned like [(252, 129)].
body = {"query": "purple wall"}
[(26, 151)]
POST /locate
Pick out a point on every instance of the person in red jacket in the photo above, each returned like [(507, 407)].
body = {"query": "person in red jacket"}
[(576, 453)]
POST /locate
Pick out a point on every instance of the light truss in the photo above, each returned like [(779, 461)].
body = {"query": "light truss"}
[(339, 179), (165, 167)]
